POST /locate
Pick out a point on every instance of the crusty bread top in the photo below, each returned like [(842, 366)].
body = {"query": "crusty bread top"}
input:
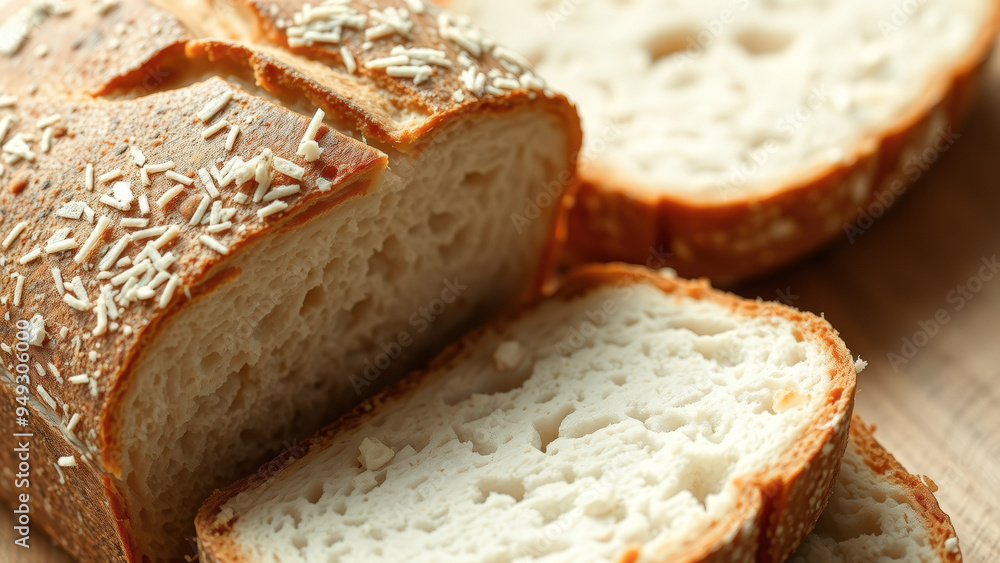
[(879, 511), (472, 65), (76, 50), (105, 87), (769, 508)]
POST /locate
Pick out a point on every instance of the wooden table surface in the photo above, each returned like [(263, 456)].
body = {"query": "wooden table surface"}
[(938, 409)]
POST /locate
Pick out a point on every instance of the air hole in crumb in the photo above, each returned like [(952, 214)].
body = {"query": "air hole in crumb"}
[(504, 383), (494, 485), (764, 41), (450, 252), (480, 444), (359, 312), (314, 493), (294, 514), (211, 362), (332, 539), (315, 298), (477, 179), (548, 426), (442, 223), (706, 326), (669, 421), (865, 522), (671, 42), (424, 526), (545, 397), (586, 426)]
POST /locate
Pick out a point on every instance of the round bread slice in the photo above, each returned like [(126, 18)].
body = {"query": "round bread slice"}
[(879, 512), (631, 417), (726, 138)]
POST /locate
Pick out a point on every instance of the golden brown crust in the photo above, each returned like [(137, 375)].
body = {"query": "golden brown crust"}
[(88, 52), (118, 81), (74, 504), (390, 110), (776, 508), (935, 522), (615, 220)]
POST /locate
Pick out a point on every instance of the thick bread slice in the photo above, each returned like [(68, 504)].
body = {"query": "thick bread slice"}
[(878, 512), (726, 138), (159, 373), (631, 417)]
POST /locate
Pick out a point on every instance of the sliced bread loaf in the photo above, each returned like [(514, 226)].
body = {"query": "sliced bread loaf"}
[(631, 417), (202, 268), (878, 512), (731, 137)]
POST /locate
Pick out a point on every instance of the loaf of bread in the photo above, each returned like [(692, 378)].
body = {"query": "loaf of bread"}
[(726, 138), (879, 512), (631, 417), (223, 225)]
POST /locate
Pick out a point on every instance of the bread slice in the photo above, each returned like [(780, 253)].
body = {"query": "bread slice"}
[(632, 417), (726, 138), (182, 329), (878, 512)]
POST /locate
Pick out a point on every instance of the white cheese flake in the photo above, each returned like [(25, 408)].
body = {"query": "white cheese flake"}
[(14, 233), (92, 241), (179, 177), (214, 244), (214, 106), (308, 146), (275, 207), (234, 131), (209, 132), (169, 196)]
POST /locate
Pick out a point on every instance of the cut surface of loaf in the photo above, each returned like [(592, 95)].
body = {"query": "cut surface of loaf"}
[(632, 417), (207, 269), (878, 512), (733, 136)]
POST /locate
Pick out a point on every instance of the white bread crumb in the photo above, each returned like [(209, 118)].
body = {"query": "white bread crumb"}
[(508, 355), (374, 454)]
